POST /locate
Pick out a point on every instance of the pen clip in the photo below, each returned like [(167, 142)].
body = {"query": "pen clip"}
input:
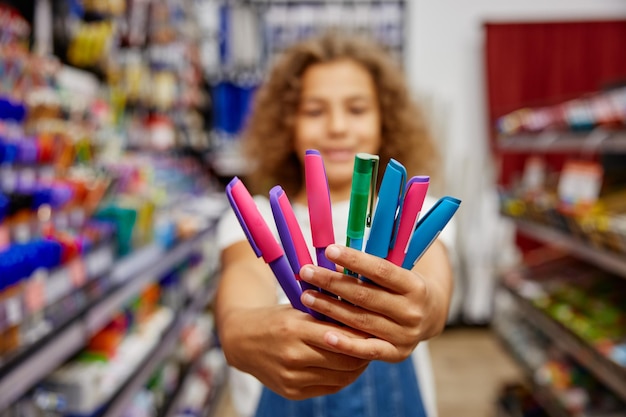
[(373, 159), (230, 188)]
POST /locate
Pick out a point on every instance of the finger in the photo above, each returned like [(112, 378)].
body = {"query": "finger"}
[(368, 349), (331, 360), (298, 388), (363, 319), (310, 381), (378, 270), (368, 296), (335, 377)]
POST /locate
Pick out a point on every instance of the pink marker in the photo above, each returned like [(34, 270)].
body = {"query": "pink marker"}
[(415, 194), (263, 241), (320, 213)]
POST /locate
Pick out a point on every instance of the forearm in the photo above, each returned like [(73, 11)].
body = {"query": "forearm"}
[(436, 271), (245, 286), (281, 346)]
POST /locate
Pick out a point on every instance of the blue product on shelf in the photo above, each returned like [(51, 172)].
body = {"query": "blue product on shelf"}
[(4, 207)]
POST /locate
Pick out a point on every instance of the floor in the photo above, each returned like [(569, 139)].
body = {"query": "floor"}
[(470, 366)]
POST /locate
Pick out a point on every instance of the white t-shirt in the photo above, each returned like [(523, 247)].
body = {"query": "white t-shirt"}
[(245, 388)]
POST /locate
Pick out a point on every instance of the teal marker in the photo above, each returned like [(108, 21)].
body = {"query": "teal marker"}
[(362, 196)]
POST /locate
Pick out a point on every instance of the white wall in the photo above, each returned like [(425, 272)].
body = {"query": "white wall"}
[(445, 69)]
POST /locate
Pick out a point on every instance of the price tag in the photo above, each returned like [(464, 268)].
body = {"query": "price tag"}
[(99, 261), (59, 284), (27, 178), (61, 221), (77, 217), (13, 309), (35, 291), (77, 272), (580, 183), (8, 179), (21, 232)]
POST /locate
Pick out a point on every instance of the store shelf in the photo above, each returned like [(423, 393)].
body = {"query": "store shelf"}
[(132, 273), (40, 363), (609, 373), (174, 402), (598, 140), (125, 395), (197, 303), (120, 402), (608, 261), (544, 396)]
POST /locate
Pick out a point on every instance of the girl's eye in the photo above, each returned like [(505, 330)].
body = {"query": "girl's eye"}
[(358, 110), (312, 112)]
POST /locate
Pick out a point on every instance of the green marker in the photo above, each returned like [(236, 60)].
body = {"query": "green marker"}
[(362, 196)]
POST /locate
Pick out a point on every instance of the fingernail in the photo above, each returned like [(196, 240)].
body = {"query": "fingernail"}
[(307, 272), (333, 251), (307, 299), (332, 339)]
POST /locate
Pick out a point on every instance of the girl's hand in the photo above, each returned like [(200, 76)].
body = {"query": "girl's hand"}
[(400, 309), (285, 349)]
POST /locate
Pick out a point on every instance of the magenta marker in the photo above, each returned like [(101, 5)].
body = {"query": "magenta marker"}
[(320, 213), (263, 241), (415, 193)]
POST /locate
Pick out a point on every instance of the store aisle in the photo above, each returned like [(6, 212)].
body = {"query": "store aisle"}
[(470, 367)]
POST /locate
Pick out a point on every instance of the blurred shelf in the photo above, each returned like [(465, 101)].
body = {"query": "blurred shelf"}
[(606, 371), (598, 140), (131, 274), (41, 362), (124, 397), (171, 409), (135, 273), (606, 260), (200, 300), (544, 396)]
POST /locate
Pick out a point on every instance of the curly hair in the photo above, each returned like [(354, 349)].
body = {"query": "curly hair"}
[(269, 133)]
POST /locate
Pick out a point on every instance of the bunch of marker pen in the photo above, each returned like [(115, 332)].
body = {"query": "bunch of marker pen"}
[(395, 232)]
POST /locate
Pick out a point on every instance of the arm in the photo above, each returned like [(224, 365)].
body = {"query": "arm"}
[(279, 345), (404, 308)]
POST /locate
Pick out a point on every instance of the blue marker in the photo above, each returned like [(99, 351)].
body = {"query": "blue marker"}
[(390, 197), (385, 224), (428, 228)]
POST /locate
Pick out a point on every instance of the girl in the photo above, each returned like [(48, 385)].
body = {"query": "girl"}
[(339, 95)]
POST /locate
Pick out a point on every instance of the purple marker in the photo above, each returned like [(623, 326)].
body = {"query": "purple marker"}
[(291, 237), (263, 241)]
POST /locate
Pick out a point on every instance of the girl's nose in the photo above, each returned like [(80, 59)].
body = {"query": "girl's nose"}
[(337, 122)]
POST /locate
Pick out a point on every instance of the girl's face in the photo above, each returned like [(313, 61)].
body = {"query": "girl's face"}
[(339, 116)]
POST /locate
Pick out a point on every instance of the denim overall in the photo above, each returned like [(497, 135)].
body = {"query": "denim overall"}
[(383, 390)]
